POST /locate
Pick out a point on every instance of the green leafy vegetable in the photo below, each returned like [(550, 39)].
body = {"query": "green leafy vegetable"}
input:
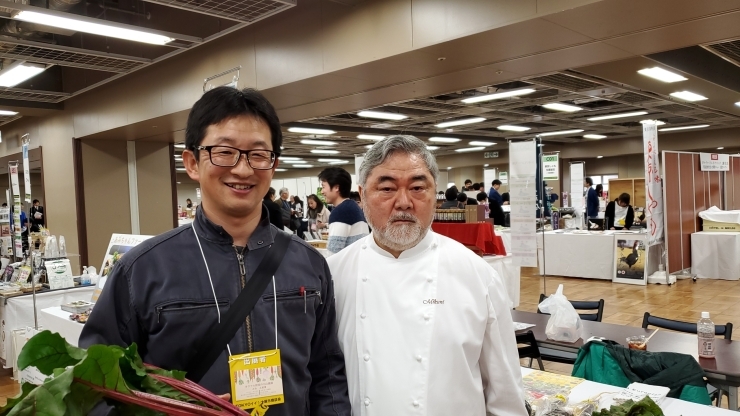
[(47, 399), (645, 407), (47, 351), (26, 388)]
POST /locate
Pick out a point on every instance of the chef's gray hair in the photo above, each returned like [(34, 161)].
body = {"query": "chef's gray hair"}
[(283, 190), (392, 144)]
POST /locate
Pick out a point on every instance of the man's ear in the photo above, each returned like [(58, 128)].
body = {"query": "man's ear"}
[(191, 165)]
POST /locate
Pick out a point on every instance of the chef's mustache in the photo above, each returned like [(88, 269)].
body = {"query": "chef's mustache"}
[(403, 216)]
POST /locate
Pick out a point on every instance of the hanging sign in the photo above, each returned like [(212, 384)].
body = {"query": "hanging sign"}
[(18, 230), (714, 162), (503, 177), (523, 194), (550, 166), (26, 169), (653, 185)]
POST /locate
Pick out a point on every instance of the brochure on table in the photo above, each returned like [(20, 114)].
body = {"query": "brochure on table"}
[(631, 259)]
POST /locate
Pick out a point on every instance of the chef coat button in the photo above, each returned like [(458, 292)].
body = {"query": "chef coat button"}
[(427, 316), (364, 246), (416, 403), (367, 402), (366, 357), (362, 315), (418, 358), (430, 280), (364, 278), (434, 245)]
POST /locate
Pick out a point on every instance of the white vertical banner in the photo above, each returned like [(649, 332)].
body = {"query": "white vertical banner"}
[(653, 184), (523, 193), (577, 176), (26, 168), (17, 229)]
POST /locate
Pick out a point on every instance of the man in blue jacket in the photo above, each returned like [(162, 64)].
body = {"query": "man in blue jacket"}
[(592, 200), (166, 293)]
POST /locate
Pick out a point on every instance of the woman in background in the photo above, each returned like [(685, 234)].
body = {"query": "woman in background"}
[(600, 190), (619, 213), (317, 213)]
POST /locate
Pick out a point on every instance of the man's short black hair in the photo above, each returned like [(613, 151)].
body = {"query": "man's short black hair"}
[(337, 176), (495, 182), (467, 181), (462, 197), (35, 201), (451, 193), (481, 196), (476, 187), (223, 103), (589, 181)]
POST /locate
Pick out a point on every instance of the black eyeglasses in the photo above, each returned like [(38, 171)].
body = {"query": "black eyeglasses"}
[(227, 156)]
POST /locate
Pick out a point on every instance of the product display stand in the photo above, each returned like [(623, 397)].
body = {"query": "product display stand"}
[(540, 183)]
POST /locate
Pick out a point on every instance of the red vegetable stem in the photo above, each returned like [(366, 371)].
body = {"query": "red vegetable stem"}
[(197, 392), (125, 398), (198, 410)]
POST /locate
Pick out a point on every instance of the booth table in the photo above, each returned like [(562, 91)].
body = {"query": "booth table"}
[(17, 312), (505, 235), (479, 235), (715, 255), (671, 407), (56, 320), (576, 255)]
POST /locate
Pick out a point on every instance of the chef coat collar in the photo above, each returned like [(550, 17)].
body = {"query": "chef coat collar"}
[(429, 240)]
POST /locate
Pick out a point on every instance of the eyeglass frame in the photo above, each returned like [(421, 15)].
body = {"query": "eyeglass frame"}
[(246, 153)]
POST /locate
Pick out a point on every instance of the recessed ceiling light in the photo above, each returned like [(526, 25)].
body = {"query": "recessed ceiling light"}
[(302, 166), (9, 113), (558, 133), (599, 157), (470, 149), (541, 145), (449, 167), (485, 165), (737, 103), (179, 146), (444, 139), (341, 162), (460, 122), (507, 127), (178, 157), (498, 95), (285, 158), (477, 143), (296, 162), (700, 126), (720, 148), (562, 107), (79, 25), (369, 146), (594, 136), (308, 130), (318, 142), (432, 147), (620, 115), (382, 115), (331, 160), (661, 74), (325, 152), (688, 96), (18, 72), (656, 122), (281, 170), (370, 137)]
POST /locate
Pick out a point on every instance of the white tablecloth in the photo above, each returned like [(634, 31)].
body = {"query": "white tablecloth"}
[(577, 255), (504, 266), (715, 255), (18, 313), (671, 407), (56, 320), (505, 235), (184, 221)]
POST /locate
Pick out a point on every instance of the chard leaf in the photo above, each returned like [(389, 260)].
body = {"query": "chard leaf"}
[(132, 367), (26, 388), (81, 400), (46, 399), (47, 351), (154, 386), (101, 367)]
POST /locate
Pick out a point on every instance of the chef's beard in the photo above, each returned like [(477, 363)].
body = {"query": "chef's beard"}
[(398, 236)]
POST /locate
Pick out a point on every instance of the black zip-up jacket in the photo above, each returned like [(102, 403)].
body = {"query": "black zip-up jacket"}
[(159, 297)]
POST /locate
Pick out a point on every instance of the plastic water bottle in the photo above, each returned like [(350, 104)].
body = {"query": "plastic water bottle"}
[(705, 331)]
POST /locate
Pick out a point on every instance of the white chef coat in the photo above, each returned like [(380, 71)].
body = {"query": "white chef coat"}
[(429, 333)]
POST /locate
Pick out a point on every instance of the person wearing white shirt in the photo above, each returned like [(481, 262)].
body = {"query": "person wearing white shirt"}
[(424, 323)]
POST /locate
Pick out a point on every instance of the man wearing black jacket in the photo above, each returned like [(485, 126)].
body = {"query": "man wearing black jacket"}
[(167, 293), (619, 213)]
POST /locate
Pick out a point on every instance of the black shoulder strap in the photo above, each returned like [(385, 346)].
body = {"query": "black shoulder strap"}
[(215, 341)]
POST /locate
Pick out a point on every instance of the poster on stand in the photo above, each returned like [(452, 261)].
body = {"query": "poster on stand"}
[(18, 230), (118, 246), (503, 177), (523, 194), (550, 166), (631, 260), (653, 184), (26, 170), (576, 192)]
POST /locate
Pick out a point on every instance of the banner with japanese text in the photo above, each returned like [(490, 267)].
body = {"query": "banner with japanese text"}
[(653, 184)]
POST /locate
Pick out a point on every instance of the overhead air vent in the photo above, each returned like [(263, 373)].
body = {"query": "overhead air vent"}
[(677, 120), (729, 50), (248, 11), (566, 82), (425, 104), (632, 98), (674, 108), (708, 115), (629, 124), (33, 95)]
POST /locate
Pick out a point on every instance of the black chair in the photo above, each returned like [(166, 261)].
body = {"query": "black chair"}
[(690, 328), (530, 350), (580, 305)]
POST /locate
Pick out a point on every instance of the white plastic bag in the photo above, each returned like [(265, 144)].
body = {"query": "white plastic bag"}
[(564, 324)]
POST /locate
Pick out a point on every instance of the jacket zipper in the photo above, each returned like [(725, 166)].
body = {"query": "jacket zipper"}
[(243, 272), (292, 294), (161, 308)]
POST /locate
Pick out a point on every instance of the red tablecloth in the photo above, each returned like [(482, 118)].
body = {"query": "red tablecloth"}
[(480, 235)]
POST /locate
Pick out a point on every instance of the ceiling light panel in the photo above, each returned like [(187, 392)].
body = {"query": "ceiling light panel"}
[(287, 158), (8, 113), (460, 122), (325, 152), (370, 137), (498, 95), (661, 74), (432, 147), (509, 127), (318, 142), (562, 107), (18, 72), (560, 133), (688, 96), (307, 130), (477, 143), (700, 126), (382, 115), (620, 115), (444, 139), (470, 149), (594, 136)]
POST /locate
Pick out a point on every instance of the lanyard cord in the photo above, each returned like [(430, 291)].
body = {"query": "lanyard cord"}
[(213, 290)]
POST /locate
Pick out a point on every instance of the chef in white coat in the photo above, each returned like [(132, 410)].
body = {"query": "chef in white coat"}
[(424, 323)]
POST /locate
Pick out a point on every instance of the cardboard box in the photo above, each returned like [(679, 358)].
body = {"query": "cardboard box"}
[(713, 226), (475, 213)]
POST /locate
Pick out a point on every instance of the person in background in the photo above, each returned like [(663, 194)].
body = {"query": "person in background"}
[(424, 324), (318, 214), (346, 222), (296, 215), (285, 205), (273, 209), (483, 200), (450, 198), (619, 213), (5, 205), (37, 216), (493, 195), (600, 190), (476, 187), (468, 186), (355, 196), (506, 198), (462, 200), (592, 200), (188, 203)]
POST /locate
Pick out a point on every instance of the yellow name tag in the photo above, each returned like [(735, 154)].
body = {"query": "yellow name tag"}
[(256, 380)]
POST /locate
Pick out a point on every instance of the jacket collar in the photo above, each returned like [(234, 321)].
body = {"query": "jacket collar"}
[(262, 236)]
